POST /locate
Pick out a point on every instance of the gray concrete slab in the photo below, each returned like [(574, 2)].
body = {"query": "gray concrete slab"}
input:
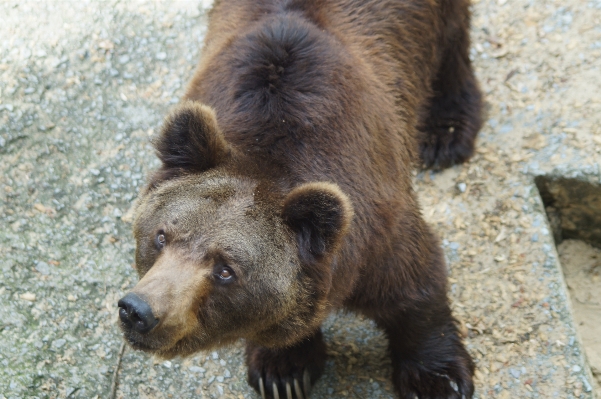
[(84, 84)]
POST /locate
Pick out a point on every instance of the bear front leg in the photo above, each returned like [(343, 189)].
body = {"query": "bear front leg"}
[(286, 373), (429, 360)]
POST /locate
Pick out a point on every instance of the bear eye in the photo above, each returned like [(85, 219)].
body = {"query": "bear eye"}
[(225, 273), (160, 240)]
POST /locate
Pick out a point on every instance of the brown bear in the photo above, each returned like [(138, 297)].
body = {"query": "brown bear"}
[(285, 190)]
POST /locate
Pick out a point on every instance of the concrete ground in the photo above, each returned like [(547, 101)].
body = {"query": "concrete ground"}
[(83, 85)]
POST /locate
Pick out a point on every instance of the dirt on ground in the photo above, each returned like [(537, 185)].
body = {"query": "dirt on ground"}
[(581, 265)]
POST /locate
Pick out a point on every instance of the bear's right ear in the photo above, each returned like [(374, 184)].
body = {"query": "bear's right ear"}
[(190, 140), (320, 215)]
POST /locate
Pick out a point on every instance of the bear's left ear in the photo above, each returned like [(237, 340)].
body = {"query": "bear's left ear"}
[(320, 215), (190, 140)]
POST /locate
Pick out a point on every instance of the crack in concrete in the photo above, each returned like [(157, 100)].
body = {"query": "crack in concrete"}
[(115, 379)]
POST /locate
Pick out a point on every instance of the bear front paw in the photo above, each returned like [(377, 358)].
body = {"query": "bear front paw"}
[(415, 380), (286, 373)]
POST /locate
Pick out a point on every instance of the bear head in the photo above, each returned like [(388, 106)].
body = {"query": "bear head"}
[(223, 251)]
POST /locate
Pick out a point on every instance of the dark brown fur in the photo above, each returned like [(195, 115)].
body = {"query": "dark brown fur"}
[(299, 182)]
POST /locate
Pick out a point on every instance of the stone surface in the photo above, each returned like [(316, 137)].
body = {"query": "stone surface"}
[(83, 85), (581, 264)]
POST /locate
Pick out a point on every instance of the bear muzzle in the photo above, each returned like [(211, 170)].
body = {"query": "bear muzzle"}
[(163, 307)]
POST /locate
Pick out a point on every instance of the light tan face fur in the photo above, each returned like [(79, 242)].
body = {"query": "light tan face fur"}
[(211, 222), (174, 288)]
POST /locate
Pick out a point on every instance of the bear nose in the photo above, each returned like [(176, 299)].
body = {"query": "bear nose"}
[(135, 313)]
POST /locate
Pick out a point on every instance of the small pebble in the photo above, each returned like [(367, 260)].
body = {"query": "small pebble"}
[(43, 268), (196, 369), (587, 386), (534, 238), (28, 296), (59, 343)]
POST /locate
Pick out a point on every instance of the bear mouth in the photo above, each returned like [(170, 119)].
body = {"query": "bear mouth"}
[(141, 346), (166, 344), (144, 343), (157, 345)]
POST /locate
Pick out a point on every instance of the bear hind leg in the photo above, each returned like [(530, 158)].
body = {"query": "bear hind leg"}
[(450, 125), (286, 373), (449, 133)]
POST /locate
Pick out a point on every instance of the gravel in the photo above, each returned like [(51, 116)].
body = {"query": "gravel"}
[(83, 85)]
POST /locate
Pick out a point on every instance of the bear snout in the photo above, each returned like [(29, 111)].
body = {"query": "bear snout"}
[(160, 314), (136, 314)]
